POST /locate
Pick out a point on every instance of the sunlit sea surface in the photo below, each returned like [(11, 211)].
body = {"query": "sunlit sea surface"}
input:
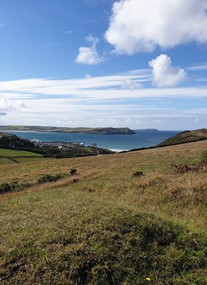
[(113, 142)]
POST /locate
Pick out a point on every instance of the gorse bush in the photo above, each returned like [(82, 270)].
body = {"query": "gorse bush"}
[(13, 186), (73, 171), (5, 187), (49, 178), (138, 174)]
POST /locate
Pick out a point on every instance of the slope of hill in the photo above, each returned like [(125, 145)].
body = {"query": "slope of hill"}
[(105, 224), (185, 137)]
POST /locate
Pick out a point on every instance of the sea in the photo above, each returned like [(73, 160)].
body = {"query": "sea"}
[(117, 143)]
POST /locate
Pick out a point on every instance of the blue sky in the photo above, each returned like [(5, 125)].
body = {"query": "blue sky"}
[(99, 63)]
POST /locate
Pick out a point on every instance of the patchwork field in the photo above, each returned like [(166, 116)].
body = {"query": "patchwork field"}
[(106, 224)]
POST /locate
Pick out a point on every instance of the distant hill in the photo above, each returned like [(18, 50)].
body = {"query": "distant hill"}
[(186, 137), (146, 130), (111, 131), (9, 141), (101, 131)]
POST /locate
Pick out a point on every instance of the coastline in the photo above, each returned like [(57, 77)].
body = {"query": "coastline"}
[(117, 143), (17, 131)]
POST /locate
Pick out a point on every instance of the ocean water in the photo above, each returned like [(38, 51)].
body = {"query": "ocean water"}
[(113, 142)]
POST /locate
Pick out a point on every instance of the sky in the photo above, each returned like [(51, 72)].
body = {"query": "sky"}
[(104, 63)]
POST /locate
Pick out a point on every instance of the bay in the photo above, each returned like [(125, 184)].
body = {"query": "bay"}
[(113, 142)]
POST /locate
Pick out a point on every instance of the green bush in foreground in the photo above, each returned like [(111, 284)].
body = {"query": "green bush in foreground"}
[(13, 186), (49, 178)]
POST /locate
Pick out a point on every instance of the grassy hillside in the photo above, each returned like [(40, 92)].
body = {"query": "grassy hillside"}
[(185, 137), (106, 225)]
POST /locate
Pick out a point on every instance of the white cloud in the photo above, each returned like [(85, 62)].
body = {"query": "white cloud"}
[(99, 101), (131, 84), (142, 25), (199, 67), (68, 32), (99, 89), (89, 55), (11, 106), (92, 39), (4, 105), (165, 75), (85, 87)]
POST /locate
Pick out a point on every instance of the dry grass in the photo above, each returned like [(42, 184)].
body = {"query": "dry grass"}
[(96, 223), (160, 189)]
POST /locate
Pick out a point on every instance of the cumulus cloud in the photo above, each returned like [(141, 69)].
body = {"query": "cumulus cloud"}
[(164, 74), (142, 25), (89, 55)]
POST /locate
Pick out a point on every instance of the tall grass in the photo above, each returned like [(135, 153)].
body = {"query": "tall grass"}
[(110, 227)]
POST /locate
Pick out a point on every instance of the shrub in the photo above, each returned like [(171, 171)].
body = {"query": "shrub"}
[(49, 178), (7, 187), (73, 171), (138, 173)]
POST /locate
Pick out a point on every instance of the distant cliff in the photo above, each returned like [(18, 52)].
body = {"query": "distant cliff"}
[(101, 131)]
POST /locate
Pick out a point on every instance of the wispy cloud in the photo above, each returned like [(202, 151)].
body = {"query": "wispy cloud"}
[(68, 32), (116, 100), (84, 86), (202, 66), (120, 86)]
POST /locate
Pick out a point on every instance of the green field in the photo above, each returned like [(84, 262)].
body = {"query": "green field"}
[(17, 153), (105, 225)]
